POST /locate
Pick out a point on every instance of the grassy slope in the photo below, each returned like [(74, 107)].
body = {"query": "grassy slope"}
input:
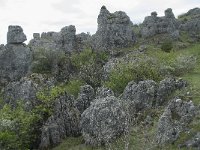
[(142, 138)]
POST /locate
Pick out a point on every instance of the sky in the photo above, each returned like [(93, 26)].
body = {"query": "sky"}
[(37, 16)]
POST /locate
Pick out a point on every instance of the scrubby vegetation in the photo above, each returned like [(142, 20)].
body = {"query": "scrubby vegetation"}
[(167, 46), (18, 128), (124, 73), (125, 87)]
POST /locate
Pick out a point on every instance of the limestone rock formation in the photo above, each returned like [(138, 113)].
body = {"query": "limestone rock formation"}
[(103, 92), (64, 122), (166, 87), (103, 121), (66, 40), (15, 35), (190, 22), (36, 36), (85, 97), (148, 93), (114, 30), (25, 90), (142, 95), (176, 116), (15, 57), (153, 25)]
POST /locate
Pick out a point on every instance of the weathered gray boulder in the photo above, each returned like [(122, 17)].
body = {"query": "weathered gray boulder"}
[(15, 61), (142, 95), (169, 13), (36, 36), (190, 22), (15, 35), (103, 121), (49, 41), (167, 87), (64, 122), (153, 25), (25, 90), (85, 97), (176, 116), (114, 30), (68, 35), (66, 40), (103, 92), (83, 40)]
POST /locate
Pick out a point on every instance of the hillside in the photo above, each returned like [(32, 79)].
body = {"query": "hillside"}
[(125, 87)]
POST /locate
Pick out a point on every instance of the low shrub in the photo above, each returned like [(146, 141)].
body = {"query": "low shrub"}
[(42, 61), (89, 66), (46, 61), (167, 46), (17, 127), (124, 73)]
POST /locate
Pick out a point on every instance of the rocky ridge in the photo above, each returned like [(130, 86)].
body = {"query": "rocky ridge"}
[(96, 113)]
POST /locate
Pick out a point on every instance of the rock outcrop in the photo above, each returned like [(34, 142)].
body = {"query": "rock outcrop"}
[(114, 30), (64, 122), (153, 25), (142, 95), (66, 40), (25, 90), (15, 35), (173, 121), (166, 87), (85, 97), (190, 22), (103, 92), (15, 57), (103, 121), (147, 94)]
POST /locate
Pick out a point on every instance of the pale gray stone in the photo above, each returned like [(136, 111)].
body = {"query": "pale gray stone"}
[(103, 121), (15, 35)]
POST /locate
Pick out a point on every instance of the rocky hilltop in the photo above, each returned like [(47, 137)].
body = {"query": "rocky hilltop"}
[(126, 82), (153, 25), (114, 30)]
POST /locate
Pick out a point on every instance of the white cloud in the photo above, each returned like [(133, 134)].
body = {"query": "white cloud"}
[(50, 15)]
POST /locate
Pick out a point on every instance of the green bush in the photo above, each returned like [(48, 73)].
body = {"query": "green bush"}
[(91, 74), (87, 57), (124, 73), (167, 46), (48, 95), (17, 127), (82, 58), (73, 87), (89, 66), (42, 61), (47, 61)]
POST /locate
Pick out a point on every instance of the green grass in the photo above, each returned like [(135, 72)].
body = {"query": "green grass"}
[(72, 143), (193, 77)]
